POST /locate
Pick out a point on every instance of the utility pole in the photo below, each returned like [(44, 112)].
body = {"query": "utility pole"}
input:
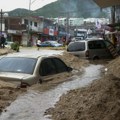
[(28, 43), (1, 18), (67, 25), (30, 3), (113, 15), (67, 20), (113, 22)]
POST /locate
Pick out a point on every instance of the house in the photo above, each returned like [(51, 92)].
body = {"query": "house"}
[(27, 29), (14, 29)]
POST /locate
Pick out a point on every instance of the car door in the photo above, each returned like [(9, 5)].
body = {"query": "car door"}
[(98, 49), (48, 44), (51, 67)]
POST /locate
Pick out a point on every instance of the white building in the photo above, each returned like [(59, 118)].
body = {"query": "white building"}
[(100, 20), (76, 21), (79, 21), (71, 21)]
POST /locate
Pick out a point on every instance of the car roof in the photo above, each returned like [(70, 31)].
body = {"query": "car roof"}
[(94, 38), (51, 41), (89, 39), (29, 56)]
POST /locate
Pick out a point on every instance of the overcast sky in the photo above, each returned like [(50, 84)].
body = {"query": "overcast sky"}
[(8, 5)]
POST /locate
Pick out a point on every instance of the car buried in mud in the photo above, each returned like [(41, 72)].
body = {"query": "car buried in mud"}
[(27, 70)]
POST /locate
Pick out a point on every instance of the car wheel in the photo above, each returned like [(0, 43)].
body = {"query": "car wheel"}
[(40, 81), (24, 85), (95, 58)]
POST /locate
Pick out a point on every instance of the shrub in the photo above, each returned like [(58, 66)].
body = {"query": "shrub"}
[(15, 46)]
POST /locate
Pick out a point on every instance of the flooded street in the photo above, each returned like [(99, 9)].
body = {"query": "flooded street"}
[(33, 104), (40, 52)]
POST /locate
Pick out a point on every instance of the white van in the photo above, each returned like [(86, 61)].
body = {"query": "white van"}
[(92, 48)]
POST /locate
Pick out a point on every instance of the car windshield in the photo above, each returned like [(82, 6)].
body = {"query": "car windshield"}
[(17, 64)]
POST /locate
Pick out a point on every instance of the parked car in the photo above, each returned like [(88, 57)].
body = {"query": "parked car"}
[(92, 48), (28, 70), (50, 44), (8, 44)]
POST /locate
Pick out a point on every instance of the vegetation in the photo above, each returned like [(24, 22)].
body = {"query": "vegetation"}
[(19, 12), (15, 46), (75, 8)]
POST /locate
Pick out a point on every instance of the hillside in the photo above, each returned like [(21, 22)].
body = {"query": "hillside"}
[(75, 8), (19, 12)]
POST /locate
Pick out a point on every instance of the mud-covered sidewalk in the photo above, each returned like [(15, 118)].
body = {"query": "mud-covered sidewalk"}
[(5, 51)]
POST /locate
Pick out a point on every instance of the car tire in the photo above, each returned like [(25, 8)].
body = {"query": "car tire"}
[(40, 81), (95, 58)]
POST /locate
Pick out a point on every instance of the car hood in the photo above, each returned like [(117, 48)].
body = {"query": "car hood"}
[(12, 76)]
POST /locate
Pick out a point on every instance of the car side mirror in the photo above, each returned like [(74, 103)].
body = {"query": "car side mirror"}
[(69, 69)]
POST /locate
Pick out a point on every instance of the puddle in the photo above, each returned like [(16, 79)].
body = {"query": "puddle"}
[(33, 105)]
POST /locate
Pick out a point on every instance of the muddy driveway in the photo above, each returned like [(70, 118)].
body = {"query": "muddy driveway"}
[(34, 101)]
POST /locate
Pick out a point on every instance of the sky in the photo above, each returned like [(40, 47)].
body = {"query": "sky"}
[(8, 5)]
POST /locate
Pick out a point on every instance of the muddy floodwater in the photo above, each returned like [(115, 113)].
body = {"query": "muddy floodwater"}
[(33, 104)]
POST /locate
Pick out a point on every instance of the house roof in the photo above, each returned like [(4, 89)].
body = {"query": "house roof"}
[(107, 3)]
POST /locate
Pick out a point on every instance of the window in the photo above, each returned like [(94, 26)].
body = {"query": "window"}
[(17, 65), (76, 46), (97, 44), (60, 65), (108, 43), (71, 22), (35, 24), (31, 23), (52, 66), (25, 21), (47, 67)]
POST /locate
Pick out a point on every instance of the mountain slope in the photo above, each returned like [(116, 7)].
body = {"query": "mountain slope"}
[(19, 12), (73, 8)]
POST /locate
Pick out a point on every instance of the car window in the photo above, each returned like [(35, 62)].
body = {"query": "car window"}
[(53, 42), (97, 44), (108, 43), (52, 66), (60, 65), (17, 65), (44, 42), (76, 46), (47, 42), (47, 67)]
